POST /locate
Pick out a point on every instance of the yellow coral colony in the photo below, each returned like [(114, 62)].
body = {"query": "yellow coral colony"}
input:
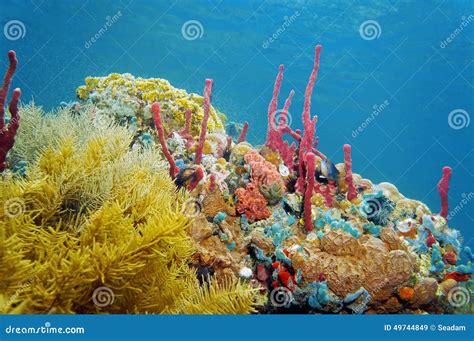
[(125, 90), (93, 215)]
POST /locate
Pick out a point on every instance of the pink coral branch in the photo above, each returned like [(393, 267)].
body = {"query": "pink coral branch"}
[(212, 183), (7, 136), (443, 188), (187, 124), (309, 125), (272, 133), (207, 107), (318, 153), (308, 222), (185, 132), (328, 193), (243, 134), (155, 108), (6, 85), (289, 131), (351, 189), (286, 107)]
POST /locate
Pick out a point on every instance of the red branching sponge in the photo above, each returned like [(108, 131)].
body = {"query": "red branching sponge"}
[(276, 130), (243, 134), (328, 193), (7, 134), (155, 109), (351, 189), (443, 188), (185, 132), (196, 178), (212, 182), (309, 131), (207, 107), (310, 161), (273, 135), (251, 203)]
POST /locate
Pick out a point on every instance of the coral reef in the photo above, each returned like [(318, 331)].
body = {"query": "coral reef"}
[(190, 218)]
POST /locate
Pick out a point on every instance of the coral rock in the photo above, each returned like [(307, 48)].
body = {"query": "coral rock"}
[(425, 291)]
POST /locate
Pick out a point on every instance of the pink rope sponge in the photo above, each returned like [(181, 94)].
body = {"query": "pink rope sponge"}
[(7, 134), (207, 107), (185, 132), (443, 188), (243, 134), (276, 130), (310, 162), (155, 109), (351, 189), (309, 125)]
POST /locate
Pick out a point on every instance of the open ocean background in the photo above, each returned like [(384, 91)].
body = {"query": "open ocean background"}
[(417, 56)]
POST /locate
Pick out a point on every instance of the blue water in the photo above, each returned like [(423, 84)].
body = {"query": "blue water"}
[(406, 65)]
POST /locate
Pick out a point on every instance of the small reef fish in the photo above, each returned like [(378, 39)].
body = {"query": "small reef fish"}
[(185, 176), (327, 172)]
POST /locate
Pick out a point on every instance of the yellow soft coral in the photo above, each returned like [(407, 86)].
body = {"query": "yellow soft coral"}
[(93, 219)]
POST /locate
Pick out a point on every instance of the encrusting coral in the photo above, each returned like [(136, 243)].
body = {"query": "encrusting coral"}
[(139, 194), (125, 97)]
